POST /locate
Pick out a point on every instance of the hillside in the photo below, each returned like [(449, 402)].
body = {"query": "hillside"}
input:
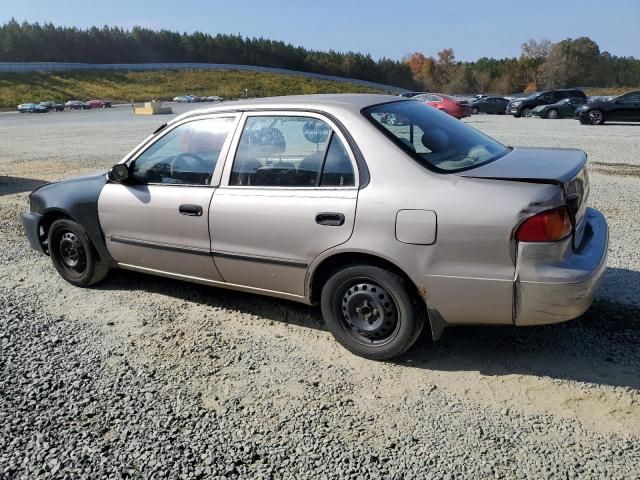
[(18, 88)]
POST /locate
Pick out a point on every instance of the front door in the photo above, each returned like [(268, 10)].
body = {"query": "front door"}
[(289, 194), (159, 220)]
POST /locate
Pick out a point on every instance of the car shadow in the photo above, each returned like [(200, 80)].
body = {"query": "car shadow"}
[(620, 124), (602, 347), (10, 185)]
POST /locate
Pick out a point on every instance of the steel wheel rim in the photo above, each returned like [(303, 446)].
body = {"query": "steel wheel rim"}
[(595, 116), (369, 313), (72, 253), (553, 114), (526, 112)]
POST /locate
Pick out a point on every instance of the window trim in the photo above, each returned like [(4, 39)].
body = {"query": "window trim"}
[(217, 171), (231, 154)]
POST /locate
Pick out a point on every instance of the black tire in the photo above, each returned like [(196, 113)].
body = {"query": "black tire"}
[(376, 300), (475, 110), (73, 254), (525, 112), (553, 114)]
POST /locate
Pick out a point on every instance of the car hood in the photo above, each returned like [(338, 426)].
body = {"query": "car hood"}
[(66, 181), (540, 165)]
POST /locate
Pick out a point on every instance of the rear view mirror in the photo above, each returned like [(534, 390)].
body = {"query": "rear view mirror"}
[(119, 173)]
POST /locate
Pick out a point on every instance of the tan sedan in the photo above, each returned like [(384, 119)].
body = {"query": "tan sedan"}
[(388, 213)]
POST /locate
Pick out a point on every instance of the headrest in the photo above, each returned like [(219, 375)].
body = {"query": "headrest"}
[(436, 140), (265, 142)]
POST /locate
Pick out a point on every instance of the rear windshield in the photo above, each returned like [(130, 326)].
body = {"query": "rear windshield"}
[(435, 139)]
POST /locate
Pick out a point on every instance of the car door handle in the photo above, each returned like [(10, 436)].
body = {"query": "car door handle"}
[(191, 210), (331, 219)]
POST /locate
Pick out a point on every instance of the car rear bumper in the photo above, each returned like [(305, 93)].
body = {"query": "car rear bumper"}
[(559, 291), (31, 226)]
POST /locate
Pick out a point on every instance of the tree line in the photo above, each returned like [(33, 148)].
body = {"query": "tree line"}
[(542, 64)]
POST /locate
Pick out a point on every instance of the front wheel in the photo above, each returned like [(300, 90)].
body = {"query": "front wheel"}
[(475, 110), (73, 254), (370, 312), (596, 117), (526, 112)]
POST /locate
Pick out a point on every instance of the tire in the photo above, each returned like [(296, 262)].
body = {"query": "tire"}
[(370, 312), (553, 114), (73, 254), (596, 117), (475, 111), (525, 112)]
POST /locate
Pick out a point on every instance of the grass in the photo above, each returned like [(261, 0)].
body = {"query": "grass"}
[(609, 91), (18, 88)]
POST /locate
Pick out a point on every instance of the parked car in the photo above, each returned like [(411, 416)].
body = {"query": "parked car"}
[(455, 107), (51, 105), (468, 231), (32, 108), (489, 105), (214, 98), (76, 105), (410, 94), (625, 108), (98, 103), (563, 109), (524, 107)]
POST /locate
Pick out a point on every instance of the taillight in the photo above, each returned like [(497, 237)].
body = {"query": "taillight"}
[(547, 226)]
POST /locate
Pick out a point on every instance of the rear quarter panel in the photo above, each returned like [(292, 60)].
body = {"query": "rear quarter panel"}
[(468, 273)]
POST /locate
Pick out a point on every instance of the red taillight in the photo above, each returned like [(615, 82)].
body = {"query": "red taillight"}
[(547, 226)]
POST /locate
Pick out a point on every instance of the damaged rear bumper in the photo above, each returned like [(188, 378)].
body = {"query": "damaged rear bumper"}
[(556, 291)]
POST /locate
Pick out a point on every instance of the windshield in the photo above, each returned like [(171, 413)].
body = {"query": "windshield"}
[(435, 139)]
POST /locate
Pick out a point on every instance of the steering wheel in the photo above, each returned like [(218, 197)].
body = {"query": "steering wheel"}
[(190, 162)]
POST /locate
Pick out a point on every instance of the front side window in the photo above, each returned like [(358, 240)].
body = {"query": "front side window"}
[(187, 155), (439, 142), (290, 151), (630, 97)]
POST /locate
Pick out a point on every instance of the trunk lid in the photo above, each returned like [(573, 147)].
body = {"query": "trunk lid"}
[(564, 167)]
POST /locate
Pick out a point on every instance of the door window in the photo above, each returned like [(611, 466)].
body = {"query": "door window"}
[(290, 151), (187, 155), (631, 97)]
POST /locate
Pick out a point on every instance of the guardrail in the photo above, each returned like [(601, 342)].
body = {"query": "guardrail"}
[(25, 67)]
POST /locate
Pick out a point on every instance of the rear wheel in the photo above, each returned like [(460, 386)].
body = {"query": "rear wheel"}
[(73, 254), (475, 110), (370, 312), (552, 113)]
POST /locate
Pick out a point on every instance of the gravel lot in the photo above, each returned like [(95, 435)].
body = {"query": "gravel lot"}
[(150, 377)]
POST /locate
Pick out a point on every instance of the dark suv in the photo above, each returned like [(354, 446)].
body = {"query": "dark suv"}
[(522, 107)]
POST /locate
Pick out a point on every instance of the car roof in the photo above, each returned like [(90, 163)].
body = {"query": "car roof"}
[(330, 103)]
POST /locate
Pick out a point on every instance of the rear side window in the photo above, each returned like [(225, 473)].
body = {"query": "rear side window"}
[(436, 140), (290, 151)]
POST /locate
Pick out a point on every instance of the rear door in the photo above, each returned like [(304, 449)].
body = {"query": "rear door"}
[(287, 194), (160, 220)]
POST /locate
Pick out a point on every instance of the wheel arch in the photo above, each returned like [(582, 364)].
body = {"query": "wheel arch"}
[(320, 272), (48, 217)]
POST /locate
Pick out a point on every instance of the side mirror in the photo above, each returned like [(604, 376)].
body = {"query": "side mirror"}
[(119, 173)]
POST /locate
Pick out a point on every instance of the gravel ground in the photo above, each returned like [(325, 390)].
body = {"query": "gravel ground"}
[(150, 377)]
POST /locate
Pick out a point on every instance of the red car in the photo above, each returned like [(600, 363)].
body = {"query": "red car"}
[(452, 106), (98, 104)]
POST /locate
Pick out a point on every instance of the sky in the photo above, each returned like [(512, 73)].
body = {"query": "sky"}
[(474, 29)]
